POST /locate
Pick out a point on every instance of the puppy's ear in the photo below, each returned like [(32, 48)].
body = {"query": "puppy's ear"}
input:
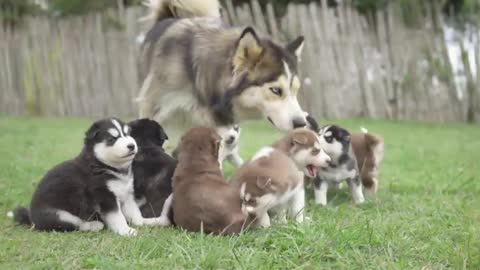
[(162, 134), (312, 123), (92, 132), (296, 47), (300, 139), (249, 51), (343, 133)]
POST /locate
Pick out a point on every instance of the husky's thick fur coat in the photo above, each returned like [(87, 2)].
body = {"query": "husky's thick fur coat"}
[(91, 190), (197, 71)]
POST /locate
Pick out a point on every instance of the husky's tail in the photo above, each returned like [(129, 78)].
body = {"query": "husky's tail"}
[(21, 215), (375, 144), (163, 9)]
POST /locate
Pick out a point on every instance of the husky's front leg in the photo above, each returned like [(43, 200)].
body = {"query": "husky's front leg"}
[(355, 185), (263, 220), (131, 211), (116, 221), (235, 159), (297, 205), (321, 188)]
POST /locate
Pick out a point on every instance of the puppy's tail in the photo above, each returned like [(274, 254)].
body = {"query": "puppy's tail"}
[(21, 215), (375, 145), (164, 9)]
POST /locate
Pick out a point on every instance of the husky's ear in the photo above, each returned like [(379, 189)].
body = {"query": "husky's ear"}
[(296, 47), (299, 139), (248, 52), (92, 132), (343, 133)]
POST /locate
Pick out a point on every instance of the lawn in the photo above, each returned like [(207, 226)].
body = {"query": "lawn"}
[(426, 214)]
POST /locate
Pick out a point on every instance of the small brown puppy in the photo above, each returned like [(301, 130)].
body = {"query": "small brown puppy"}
[(274, 176), (202, 199), (368, 149)]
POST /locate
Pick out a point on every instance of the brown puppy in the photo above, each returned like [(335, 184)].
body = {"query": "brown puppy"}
[(202, 199), (368, 149), (274, 176)]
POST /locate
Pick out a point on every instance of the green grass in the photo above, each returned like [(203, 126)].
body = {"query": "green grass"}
[(426, 213)]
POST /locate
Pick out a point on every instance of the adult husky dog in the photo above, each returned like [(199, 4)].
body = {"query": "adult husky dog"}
[(198, 71)]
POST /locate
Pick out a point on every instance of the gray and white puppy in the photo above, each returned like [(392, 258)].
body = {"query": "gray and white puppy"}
[(336, 142), (229, 146)]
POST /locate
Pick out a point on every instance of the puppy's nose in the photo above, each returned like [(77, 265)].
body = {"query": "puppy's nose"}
[(131, 147), (299, 122)]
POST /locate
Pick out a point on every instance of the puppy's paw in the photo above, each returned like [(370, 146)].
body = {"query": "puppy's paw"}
[(322, 203), (159, 221), (128, 231), (92, 226), (358, 201)]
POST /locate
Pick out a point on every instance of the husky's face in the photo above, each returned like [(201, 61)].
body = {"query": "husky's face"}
[(111, 142), (334, 140), (306, 152), (270, 75)]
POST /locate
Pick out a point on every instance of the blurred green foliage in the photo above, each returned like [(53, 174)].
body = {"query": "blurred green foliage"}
[(412, 10), (12, 10)]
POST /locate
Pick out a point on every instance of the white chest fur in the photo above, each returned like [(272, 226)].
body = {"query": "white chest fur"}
[(121, 186), (337, 174), (291, 192)]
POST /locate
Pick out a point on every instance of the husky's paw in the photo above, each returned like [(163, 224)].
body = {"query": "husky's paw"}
[(160, 221), (92, 226), (127, 231), (359, 201)]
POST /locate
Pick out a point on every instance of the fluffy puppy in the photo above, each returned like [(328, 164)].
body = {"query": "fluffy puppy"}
[(152, 169), (273, 178), (336, 142), (369, 150), (229, 146), (202, 199), (94, 188)]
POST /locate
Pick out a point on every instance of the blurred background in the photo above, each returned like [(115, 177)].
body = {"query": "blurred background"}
[(388, 59)]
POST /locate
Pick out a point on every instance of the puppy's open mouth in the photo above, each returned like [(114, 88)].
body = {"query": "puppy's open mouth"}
[(310, 171)]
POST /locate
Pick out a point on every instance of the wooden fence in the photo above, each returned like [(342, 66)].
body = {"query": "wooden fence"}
[(86, 66)]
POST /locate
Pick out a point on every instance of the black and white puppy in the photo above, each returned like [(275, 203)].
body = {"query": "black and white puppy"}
[(91, 190), (336, 142), (229, 145), (153, 170)]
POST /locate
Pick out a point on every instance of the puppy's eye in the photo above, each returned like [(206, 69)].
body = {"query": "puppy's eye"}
[(329, 139), (315, 152), (276, 90), (111, 140)]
